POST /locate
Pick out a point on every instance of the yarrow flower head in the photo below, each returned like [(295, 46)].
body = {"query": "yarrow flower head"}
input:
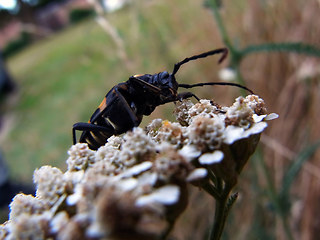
[(136, 184)]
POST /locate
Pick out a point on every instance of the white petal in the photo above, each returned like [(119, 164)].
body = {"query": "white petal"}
[(95, 231), (148, 178), (232, 134), (189, 152), (211, 158), (271, 116), (166, 195), (137, 169), (73, 199), (128, 184), (258, 118), (197, 174), (255, 129), (58, 221), (74, 176)]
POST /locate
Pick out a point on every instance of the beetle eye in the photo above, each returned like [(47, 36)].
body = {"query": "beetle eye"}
[(164, 74)]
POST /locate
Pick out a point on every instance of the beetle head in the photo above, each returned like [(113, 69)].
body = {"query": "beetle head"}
[(160, 84), (166, 80)]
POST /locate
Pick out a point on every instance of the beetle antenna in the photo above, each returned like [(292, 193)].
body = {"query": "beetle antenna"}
[(215, 83), (224, 52)]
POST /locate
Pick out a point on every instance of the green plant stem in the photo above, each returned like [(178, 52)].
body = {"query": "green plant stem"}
[(286, 227), (235, 54), (225, 38), (289, 47), (240, 79), (221, 213), (275, 199), (209, 188)]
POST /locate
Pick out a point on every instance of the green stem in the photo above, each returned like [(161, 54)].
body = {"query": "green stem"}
[(236, 55), (289, 47), (286, 227), (225, 38), (221, 213), (275, 199), (240, 79), (209, 188)]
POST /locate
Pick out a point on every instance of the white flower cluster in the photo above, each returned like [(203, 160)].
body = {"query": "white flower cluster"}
[(135, 186)]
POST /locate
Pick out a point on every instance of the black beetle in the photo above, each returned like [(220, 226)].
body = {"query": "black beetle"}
[(125, 104)]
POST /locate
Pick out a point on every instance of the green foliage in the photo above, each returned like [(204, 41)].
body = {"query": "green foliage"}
[(58, 80), (41, 3), (280, 200), (77, 15), (17, 45), (292, 173), (299, 47)]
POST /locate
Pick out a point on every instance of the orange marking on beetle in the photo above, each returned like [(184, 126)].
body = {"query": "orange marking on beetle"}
[(138, 75), (103, 104)]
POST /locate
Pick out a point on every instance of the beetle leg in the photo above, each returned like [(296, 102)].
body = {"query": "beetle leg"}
[(81, 126), (186, 95), (135, 120)]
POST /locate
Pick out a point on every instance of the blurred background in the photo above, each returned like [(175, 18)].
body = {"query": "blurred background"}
[(59, 59)]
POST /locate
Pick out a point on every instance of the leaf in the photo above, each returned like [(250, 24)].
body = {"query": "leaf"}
[(298, 47), (295, 168)]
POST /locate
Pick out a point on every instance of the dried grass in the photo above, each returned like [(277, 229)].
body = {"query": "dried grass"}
[(290, 84)]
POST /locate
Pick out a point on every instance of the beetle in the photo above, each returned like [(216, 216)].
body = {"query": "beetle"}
[(126, 103)]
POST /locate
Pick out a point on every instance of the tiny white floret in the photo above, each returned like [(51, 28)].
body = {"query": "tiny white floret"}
[(128, 184), (73, 199), (166, 195), (271, 116), (255, 129), (232, 134), (189, 152), (211, 158), (197, 174), (148, 178), (258, 118), (137, 169)]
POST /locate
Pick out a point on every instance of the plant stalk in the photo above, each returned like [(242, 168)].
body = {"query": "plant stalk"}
[(221, 213), (225, 38), (235, 54), (274, 197)]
